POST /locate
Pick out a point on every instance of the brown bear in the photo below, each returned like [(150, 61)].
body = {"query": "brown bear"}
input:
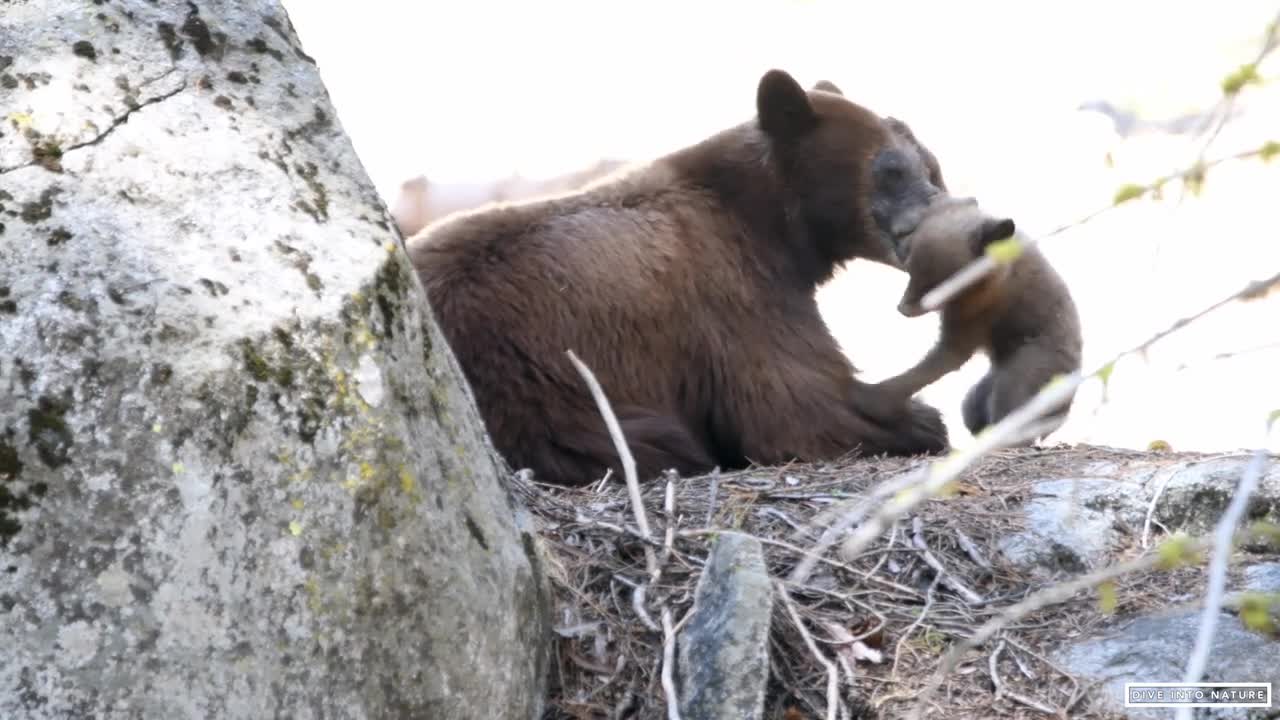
[(1021, 316), (687, 286)]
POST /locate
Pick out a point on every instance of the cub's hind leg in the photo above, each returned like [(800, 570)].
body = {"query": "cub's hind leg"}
[(976, 408)]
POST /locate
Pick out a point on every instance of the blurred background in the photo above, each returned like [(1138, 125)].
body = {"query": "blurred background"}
[(1041, 110)]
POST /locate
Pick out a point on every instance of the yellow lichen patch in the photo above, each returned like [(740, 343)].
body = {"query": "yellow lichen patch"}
[(157, 428), (295, 528), (407, 483), (179, 468), (297, 503), (390, 246), (20, 120), (334, 549), (1107, 599), (312, 588)]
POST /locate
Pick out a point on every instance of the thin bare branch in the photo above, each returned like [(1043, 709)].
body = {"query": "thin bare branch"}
[(1044, 598), (834, 704), (917, 528), (711, 502), (624, 453), (1222, 547), (971, 549), (668, 665), (853, 512), (985, 265)]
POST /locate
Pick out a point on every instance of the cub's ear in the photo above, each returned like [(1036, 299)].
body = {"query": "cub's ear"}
[(827, 86), (993, 230), (783, 106)]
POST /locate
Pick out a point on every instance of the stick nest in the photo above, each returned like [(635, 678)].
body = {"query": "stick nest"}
[(884, 618)]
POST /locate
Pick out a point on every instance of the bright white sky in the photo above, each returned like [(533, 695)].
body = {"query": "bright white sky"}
[(475, 90), (482, 86)]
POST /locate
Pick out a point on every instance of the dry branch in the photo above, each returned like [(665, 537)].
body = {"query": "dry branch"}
[(834, 703), (624, 452), (917, 538), (1049, 596), (668, 665), (985, 265), (1222, 547)]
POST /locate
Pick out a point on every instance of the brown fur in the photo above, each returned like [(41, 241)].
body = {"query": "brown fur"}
[(1022, 316), (687, 286)]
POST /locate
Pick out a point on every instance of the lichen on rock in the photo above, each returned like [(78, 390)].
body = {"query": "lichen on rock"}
[(240, 473)]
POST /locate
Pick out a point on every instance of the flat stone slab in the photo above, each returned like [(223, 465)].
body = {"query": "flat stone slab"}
[(1073, 524), (724, 648), (1154, 648)]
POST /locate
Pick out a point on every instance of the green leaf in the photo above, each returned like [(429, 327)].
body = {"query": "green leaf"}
[(1244, 75), (1174, 552), (1269, 149), (1193, 179), (1129, 192), (1104, 373), (1005, 251), (1107, 599), (1256, 609), (1265, 533)]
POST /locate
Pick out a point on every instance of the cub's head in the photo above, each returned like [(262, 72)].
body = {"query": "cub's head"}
[(856, 180), (950, 233)]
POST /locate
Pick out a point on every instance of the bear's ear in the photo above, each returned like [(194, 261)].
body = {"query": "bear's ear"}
[(828, 86), (993, 230), (783, 106)]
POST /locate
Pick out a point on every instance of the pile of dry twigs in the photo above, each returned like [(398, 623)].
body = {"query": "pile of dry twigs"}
[(852, 637)]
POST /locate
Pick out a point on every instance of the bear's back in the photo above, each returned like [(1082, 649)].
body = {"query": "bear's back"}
[(638, 244), (642, 276)]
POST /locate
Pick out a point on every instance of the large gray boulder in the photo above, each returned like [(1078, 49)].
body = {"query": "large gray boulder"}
[(240, 474)]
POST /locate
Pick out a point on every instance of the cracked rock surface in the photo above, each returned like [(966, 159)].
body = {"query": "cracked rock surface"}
[(240, 475)]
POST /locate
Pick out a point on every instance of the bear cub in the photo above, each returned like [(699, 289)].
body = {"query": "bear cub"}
[(1021, 316)]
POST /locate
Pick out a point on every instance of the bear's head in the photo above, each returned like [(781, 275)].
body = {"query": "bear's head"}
[(951, 233), (857, 181)]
